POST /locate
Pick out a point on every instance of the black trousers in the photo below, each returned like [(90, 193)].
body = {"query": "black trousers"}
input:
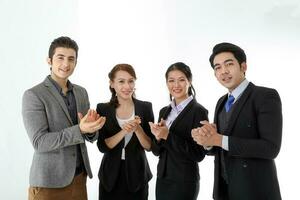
[(173, 190), (120, 190)]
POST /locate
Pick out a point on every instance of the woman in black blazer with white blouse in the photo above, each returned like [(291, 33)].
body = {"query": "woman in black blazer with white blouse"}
[(124, 172), (177, 170)]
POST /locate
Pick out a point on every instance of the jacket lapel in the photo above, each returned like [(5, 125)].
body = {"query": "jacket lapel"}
[(51, 88), (235, 113), (182, 113)]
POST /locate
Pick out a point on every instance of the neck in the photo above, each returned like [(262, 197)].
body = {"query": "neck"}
[(125, 102), (181, 99), (61, 82)]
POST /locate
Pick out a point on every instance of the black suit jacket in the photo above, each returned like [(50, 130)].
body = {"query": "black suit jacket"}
[(137, 168), (179, 154), (254, 131)]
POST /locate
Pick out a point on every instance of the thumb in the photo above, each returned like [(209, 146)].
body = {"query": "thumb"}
[(162, 122), (80, 116)]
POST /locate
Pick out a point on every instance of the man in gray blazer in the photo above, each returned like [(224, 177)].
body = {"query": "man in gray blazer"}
[(57, 119)]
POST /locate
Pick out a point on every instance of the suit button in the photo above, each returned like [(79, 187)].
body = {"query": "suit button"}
[(245, 165)]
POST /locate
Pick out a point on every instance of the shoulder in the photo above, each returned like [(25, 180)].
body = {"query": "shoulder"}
[(35, 90), (103, 106), (197, 107), (143, 104), (260, 92)]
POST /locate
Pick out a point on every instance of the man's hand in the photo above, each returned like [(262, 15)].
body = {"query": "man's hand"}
[(207, 135), (91, 122)]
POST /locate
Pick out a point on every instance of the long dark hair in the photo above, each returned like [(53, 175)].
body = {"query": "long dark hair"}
[(180, 66), (111, 75)]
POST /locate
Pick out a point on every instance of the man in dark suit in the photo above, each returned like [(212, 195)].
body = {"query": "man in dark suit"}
[(246, 135)]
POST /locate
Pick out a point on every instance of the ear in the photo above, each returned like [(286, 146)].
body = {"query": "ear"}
[(244, 66), (49, 61), (111, 84)]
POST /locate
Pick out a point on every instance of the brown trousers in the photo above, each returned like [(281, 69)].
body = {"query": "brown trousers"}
[(75, 191)]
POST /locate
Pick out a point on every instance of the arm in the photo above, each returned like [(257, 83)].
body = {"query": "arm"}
[(269, 128), (143, 131), (36, 124), (183, 144)]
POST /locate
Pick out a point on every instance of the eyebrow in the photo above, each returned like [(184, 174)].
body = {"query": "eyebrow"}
[(175, 78), (65, 56), (226, 61)]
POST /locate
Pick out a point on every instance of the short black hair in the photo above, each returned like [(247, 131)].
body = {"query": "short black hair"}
[(237, 51), (62, 41)]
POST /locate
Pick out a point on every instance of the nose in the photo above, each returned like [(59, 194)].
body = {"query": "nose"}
[(224, 69), (66, 62), (176, 83)]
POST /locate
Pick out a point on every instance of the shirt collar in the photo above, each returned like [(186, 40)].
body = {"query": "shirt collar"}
[(57, 86), (182, 105), (236, 93)]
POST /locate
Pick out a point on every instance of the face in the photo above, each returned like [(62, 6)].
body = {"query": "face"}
[(178, 85), (63, 63), (228, 71), (123, 84)]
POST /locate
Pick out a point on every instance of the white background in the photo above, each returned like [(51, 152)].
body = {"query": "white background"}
[(150, 35)]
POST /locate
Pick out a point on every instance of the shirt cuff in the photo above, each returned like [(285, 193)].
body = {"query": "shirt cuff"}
[(225, 142), (207, 148)]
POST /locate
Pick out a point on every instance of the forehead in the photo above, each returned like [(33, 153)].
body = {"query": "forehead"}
[(176, 74), (123, 75), (68, 52), (224, 56)]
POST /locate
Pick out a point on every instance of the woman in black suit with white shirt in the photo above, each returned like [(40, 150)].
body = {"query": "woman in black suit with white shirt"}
[(124, 172), (177, 170)]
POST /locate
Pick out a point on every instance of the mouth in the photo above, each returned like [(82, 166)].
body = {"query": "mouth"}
[(64, 70), (226, 79), (177, 91), (127, 92)]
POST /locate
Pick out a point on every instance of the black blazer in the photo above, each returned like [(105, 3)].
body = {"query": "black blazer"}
[(179, 154), (137, 168), (254, 130)]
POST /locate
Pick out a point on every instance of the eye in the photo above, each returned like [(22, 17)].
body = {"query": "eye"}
[(218, 67), (121, 81), (171, 81), (182, 80), (229, 64)]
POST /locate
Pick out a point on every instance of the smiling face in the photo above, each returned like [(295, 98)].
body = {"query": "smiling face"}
[(228, 71), (178, 85), (123, 83), (62, 63)]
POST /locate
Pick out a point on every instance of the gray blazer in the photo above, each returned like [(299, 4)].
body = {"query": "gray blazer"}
[(53, 135)]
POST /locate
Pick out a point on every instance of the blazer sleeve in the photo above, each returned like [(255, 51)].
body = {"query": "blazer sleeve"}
[(186, 146), (156, 146), (101, 110), (35, 120), (269, 128), (149, 117)]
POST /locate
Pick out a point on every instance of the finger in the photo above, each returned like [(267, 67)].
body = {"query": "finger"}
[(204, 122)]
